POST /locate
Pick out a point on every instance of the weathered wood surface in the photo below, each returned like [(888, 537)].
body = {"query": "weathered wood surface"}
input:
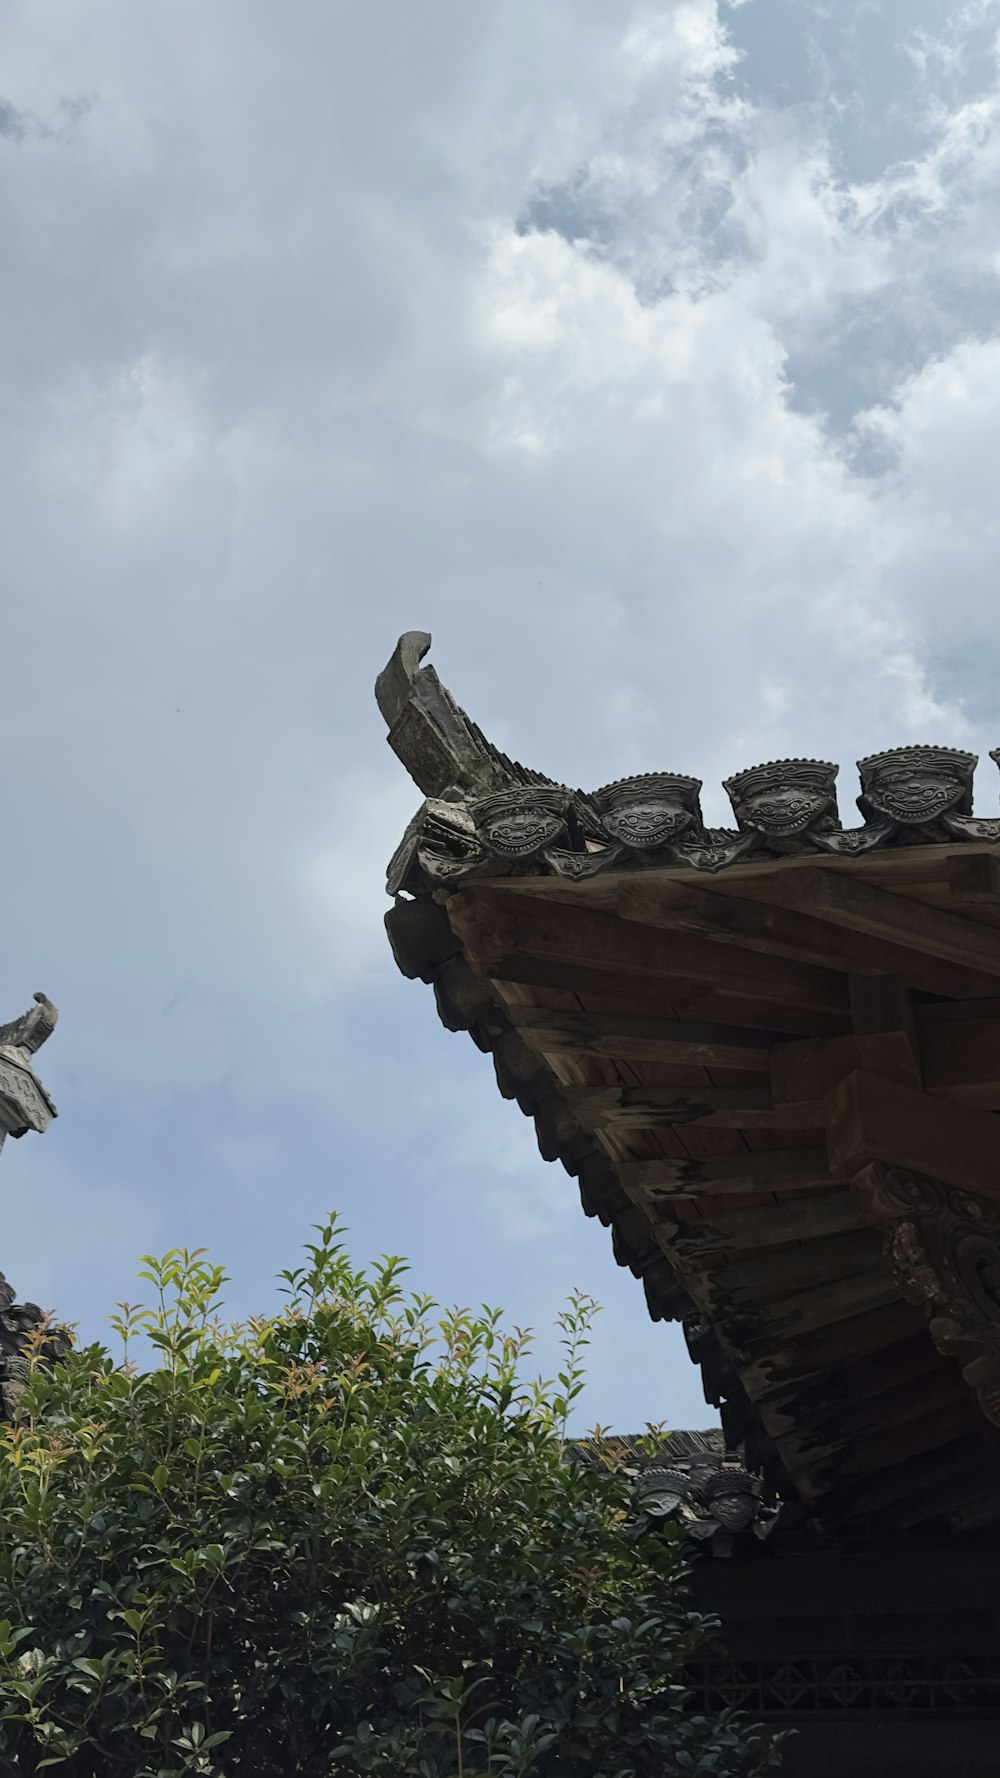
[(642, 1039), (789, 927), (870, 1119), (848, 903), (728, 1108), (715, 1087), (959, 1061), (749, 1170), (499, 931), (811, 1218)]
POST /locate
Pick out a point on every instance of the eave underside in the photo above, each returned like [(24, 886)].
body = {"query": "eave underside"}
[(739, 1073)]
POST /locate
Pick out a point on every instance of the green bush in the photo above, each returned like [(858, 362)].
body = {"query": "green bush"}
[(341, 1540)]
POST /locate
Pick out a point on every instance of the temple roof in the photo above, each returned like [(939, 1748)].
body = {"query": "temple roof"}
[(770, 1056), (692, 1479), (24, 1105)]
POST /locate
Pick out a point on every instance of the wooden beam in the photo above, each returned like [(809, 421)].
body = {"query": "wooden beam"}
[(812, 1067), (752, 1170), (499, 932), (825, 1438), (974, 881), (702, 1241), (770, 1280), (960, 1061), (719, 1108), (853, 1377), (955, 1012), (642, 1040), (892, 1444), (792, 1364), (892, 919), (943, 1471), (803, 1312), (737, 913), (882, 1016), (870, 1119)]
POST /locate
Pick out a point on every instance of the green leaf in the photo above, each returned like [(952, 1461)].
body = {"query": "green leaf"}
[(351, 1524)]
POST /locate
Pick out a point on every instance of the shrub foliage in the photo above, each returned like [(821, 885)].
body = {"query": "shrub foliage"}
[(344, 1539)]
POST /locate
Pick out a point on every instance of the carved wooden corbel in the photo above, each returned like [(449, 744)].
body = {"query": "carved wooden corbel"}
[(943, 1244)]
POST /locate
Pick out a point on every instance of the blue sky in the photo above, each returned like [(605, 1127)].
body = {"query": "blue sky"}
[(647, 355)]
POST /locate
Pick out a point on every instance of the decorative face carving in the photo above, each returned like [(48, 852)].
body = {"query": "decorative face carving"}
[(732, 1497), (439, 847), (782, 799), (516, 824), (915, 786), (646, 813), (659, 1492), (969, 827)]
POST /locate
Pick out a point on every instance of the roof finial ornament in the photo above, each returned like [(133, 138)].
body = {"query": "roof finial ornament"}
[(33, 1028), (24, 1103)]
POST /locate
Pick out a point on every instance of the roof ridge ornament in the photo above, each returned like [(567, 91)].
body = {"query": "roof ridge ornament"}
[(646, 813), (439, 745), (486, 815), (784, 800), (24, 1103), (33, 1028), (916, 786), (518, 822), (638, 781), (975, 827)]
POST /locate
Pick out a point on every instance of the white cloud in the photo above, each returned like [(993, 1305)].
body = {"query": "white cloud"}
[(564, 334), (344, 881)]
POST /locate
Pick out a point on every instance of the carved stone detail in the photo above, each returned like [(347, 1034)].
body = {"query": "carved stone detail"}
[(913, 787), (439, 848), (577, 865), (487, 815), (24, 1103), (786, 801), (648, 813), (715, 848), (969, 827), (972, 827), (944, 1248), (518, 823), (21, 1326), (853, 841), (705, 1487), (32, 1029)]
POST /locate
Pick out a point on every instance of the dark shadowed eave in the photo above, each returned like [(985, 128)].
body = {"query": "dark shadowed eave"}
[(769, 1054)]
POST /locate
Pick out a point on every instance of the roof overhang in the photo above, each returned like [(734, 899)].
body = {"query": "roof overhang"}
[(771, 1058)]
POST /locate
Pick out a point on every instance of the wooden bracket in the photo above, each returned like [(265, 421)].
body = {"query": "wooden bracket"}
[(944, 1248)]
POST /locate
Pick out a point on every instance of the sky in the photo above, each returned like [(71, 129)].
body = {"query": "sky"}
[(647, 355)]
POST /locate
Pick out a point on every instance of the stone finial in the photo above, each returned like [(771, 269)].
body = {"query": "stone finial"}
[(24, 1106), (33, 1028), (24, 1103)]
